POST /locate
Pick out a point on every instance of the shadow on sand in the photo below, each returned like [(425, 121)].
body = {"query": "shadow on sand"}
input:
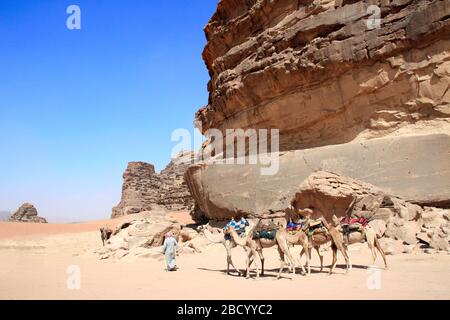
[(272, 273)]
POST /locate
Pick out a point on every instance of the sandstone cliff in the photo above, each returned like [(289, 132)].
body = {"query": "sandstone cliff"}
[(371, 104), (143, 188)]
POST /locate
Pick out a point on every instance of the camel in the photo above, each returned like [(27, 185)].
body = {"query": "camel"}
[(367, 235), (336, 239), (256, 247), (228, 244), (318, 240), (105, 234), (298, 238)]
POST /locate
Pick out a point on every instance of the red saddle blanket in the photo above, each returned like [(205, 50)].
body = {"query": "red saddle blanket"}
[(347, 220)]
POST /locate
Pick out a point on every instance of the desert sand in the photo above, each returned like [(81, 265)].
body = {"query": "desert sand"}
[(35, 260)]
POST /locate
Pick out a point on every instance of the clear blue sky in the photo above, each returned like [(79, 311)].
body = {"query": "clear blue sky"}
[(77, 105)]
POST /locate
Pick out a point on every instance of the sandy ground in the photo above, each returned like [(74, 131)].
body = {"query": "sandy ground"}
[(37, 262)]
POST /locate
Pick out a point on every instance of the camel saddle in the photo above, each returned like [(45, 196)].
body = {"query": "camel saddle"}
[(350, 225), (265, 231), (315, 227)]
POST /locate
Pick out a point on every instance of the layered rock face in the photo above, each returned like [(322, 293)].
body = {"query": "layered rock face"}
[(143, 188), (140, 189), (316, 71), (175, 195), (368, 103), (27, 213)]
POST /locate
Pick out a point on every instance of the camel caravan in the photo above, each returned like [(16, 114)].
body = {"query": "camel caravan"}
[(294, 228), (327, 213)]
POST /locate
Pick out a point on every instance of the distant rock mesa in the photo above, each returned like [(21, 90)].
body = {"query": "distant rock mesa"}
[(27, 213), (143, 189)]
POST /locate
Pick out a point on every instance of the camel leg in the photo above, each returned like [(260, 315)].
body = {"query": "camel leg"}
[(333, 263), (254, 253), (308, 259), (383, 255), (372, 251), (230, 262), (283, 247), (320, 257), (282, 262), (250, 259), (248, 262), (261, 258), (301, 254), (344, 250), (338, 244)]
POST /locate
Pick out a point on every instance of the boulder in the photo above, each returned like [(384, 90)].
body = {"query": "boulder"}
[(384, 214), (439, 242), (142, 235), (408, 211), (391, 246), (406, 233), (379, 226), (434, 217)]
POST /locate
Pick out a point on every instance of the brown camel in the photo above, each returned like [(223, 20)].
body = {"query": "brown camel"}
[(105, 234), (317, 240), (297, 238), (256, 247), (366, 234), (337, 243), (227, 243)]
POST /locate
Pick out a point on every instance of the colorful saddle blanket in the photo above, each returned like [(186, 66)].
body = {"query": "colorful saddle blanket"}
[(292, 226), (350, 225), (349, 221), (266, 234), (315, 226)]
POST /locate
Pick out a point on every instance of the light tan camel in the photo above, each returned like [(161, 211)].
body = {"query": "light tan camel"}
[(336, 239), (316, 241), (228, 244), (256, 247), (366, 234)]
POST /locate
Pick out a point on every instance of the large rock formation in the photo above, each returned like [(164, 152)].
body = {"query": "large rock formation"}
[(143, 188), (27, 213), (368, 103), (175, 195)]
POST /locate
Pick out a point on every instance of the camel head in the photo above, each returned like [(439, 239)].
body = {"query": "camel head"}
[(228, 230)]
